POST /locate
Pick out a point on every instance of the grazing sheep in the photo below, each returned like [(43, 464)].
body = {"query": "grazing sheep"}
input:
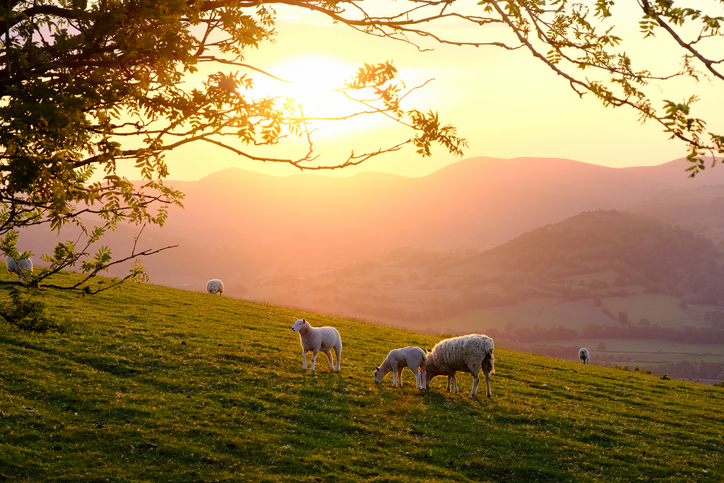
[(215, 287), (397, 360), (584, 356), (20, 268), (318, 339), (468, 353)]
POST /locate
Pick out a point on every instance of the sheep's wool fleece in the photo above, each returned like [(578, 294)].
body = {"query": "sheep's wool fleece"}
[(215, 286), (455, 353), (15, 267), (319, 338)]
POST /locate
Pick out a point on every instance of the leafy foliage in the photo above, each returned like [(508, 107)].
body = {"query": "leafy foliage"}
[(87, 87), (28, 313)]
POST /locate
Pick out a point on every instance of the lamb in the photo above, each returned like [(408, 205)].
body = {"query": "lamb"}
[(215, 287), (318, 339), (468, 353), (584, 356), (20, 267), (397, 360)]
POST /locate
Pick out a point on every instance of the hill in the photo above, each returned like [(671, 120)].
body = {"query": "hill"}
[(591, 255), (700, 210), (248, 228), (636, 251), (158, 384)]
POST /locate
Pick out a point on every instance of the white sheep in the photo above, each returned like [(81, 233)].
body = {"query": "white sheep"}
[(20, 268), (397, 360), (584, 356), (468, 353), (318, 339), (215, 287)]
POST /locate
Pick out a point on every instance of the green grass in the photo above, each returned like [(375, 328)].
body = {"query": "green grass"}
[(156, 384)]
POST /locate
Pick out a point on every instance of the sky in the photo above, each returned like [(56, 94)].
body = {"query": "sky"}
[(506, 104)]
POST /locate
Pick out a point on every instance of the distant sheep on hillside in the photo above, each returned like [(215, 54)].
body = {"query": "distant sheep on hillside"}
[(397, 360), (584, 356), (468, 353), (21, 268), (215, 287), (318, 339)]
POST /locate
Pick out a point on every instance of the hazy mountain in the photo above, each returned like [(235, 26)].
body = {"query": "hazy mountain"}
[(700, 210), (594, 254), (246, 227)]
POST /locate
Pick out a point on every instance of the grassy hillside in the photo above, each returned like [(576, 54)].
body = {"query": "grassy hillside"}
[(157, 384)]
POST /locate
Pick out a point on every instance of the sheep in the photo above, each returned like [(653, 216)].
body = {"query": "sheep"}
[(318, 339), (215, 287), (468, 353), (397, 360), (584, 356), (20, 267)]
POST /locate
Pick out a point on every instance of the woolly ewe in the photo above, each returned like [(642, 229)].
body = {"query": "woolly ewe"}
[(468, 353), (20, 268), (318, 339), (584, 356), (397, 360), (215, 287)]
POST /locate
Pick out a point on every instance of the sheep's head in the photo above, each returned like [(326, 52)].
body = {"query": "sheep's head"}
[(430, 370), (378, 374), (299, 324)]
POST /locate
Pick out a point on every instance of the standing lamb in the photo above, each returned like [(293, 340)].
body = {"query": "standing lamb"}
[(397, 360), (468, 353), (584, 356), (215, 287), (20, 268), (318, 339)]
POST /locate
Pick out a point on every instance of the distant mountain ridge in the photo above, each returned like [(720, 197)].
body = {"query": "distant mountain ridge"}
[(246, 227), (595, 254)]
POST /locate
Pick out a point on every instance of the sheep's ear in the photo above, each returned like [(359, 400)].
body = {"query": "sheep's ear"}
[(377, 368), (304, 320)]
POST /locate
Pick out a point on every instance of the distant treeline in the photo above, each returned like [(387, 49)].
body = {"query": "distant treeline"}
[(688, 334), (692, 335)]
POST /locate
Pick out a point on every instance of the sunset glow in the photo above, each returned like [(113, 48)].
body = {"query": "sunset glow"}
[(506, 104)]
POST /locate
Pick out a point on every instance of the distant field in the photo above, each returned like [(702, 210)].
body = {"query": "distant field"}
[(550, 312)]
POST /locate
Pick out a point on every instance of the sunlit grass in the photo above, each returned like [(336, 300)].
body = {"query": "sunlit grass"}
[(157, 384)]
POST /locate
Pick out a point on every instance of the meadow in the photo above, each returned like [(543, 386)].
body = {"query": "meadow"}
[(157, 384)]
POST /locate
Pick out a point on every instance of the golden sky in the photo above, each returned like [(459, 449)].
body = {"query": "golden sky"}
[(506, 104)]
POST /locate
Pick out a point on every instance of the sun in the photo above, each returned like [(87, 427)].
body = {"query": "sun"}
[(314, 81)]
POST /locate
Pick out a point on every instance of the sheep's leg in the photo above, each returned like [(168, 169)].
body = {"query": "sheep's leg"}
[(304, 360), (394, 378), (487, 384), (418, 377), (476, 378), (455, 382), (329, 358), (314, 358), (399, 375), (447, 388), (338, 353)]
